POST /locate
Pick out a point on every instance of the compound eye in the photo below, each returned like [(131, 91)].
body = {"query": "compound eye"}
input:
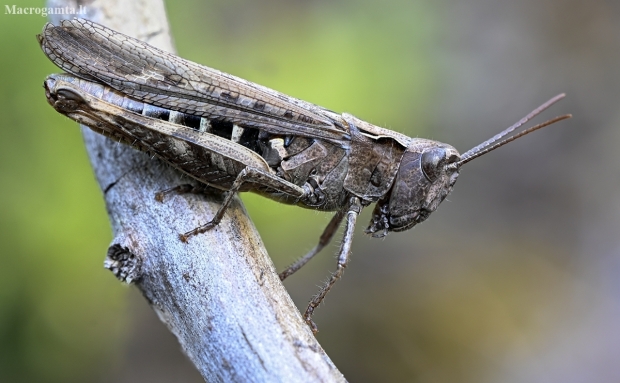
[(432, 163)]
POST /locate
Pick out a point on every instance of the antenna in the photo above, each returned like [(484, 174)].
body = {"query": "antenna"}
[(492, 144)]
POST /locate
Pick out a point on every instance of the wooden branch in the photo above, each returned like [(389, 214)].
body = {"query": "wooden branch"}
[(219, 293)]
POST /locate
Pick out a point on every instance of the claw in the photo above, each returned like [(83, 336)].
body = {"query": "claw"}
[(310, 322), (159, 196)]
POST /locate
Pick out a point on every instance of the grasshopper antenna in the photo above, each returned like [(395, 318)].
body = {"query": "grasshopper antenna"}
[(492, 143)]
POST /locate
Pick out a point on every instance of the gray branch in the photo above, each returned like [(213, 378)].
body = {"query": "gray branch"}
[(219, 293)]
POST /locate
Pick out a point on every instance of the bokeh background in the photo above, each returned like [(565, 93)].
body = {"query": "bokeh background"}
[(514, 279)]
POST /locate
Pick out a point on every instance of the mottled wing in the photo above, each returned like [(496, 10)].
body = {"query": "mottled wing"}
[(146, 73)]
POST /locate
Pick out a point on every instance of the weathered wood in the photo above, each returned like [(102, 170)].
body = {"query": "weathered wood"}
[(219, 293)]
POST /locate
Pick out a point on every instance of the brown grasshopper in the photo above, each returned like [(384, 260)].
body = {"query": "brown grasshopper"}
[(234, 135)]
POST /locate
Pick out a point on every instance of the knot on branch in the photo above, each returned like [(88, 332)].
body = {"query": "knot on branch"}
[(125, 265)]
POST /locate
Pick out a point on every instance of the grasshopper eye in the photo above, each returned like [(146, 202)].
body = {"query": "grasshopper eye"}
[(431, 162)]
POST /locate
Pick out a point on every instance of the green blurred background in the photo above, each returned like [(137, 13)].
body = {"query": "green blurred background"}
[(514, 279)]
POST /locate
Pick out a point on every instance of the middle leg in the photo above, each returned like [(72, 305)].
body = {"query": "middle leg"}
[(355, 207), (325, 238)]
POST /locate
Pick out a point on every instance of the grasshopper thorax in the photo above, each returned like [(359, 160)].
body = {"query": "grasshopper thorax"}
[(426, 175)]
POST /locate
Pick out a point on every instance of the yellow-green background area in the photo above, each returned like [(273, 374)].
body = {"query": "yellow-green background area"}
[(514, 279)]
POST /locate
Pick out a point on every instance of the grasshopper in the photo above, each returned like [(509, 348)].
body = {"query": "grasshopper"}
[(233, 135)]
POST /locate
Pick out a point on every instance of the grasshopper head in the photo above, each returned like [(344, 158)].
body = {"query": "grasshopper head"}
[(426, 175), (428, 171)]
